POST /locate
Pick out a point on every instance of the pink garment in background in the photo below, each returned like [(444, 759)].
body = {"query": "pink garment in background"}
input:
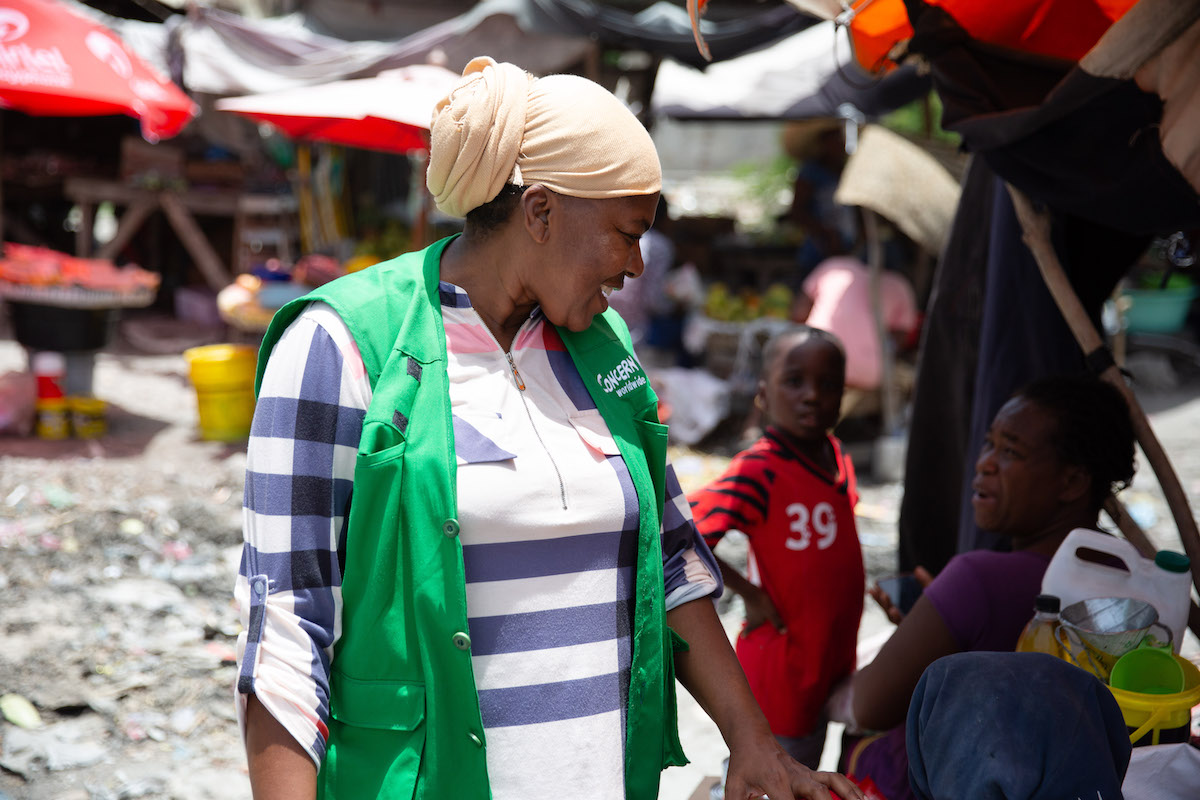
[(840, 289)]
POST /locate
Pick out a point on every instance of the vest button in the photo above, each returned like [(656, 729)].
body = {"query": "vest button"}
[(450, 527), (461, 641), (475, 740)]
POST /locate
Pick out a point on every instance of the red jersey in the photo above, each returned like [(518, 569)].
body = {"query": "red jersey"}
[(804, 553)]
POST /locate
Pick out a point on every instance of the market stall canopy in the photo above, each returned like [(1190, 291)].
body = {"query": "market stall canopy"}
[(1112, 138), (390, 112), (55, 62), (901, 183), (1058, 29), (224, 54), (808, 74), (663, 29)]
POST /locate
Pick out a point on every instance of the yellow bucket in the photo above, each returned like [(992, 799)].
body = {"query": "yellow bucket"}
[(1148, 713), (88, 416), (223, 376), (52, 421)]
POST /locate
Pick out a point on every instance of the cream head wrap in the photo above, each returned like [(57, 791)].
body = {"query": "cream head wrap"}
[(501, 125)]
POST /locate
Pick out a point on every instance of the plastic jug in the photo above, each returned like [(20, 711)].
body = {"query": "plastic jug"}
[(1093, 564)]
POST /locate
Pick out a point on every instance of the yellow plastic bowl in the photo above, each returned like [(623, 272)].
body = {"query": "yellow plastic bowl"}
[(1158, 712)]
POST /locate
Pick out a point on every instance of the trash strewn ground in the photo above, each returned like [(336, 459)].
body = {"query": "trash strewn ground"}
[(117, 559)]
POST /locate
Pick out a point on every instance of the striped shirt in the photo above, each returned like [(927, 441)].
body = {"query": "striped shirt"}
[(549, 522)]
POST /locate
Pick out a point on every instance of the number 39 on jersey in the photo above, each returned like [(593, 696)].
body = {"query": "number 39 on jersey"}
[(820, 520)]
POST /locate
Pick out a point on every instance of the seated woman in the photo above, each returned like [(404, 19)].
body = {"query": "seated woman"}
[(1053, 453)]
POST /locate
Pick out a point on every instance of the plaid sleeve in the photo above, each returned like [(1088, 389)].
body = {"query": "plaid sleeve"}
[(299, 473), (689, 568)]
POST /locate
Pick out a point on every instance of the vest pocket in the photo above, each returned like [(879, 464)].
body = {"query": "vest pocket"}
[(380, 443), (385, 705), (376, 739)]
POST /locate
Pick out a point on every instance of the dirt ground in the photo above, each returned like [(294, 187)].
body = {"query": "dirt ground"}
[(117, 559)]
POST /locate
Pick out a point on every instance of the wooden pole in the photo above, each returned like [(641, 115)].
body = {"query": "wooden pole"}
[(202, 253), (420, 165), (1138, 538), (131, 222), (1036, 227), (887, 387)]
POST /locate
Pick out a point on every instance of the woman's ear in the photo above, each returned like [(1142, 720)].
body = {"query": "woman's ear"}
[(536, 203), (1077, 484)]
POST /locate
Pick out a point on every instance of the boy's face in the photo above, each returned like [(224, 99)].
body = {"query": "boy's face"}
[(802, 389)]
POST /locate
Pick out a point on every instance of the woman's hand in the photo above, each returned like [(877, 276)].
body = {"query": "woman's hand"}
[(757, 764), (760, 609), (885, 602), (761, 767)]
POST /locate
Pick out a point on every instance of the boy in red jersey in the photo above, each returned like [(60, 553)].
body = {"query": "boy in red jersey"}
[(793, 493)]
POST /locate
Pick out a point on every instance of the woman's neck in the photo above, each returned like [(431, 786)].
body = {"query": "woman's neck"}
[(1047, 540), (484, 275)]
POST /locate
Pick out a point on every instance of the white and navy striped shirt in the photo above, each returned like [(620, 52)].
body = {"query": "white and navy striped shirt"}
[(549, 522)]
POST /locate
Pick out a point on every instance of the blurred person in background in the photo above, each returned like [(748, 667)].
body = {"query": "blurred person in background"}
[(836, 296)]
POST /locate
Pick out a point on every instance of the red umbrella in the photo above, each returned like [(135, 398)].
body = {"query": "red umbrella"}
[(390, 112), (55, 62)]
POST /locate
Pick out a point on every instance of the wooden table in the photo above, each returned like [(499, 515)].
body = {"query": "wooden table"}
[(180, 208)]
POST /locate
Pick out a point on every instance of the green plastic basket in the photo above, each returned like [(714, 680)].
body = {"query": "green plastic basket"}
[(1158, 310)]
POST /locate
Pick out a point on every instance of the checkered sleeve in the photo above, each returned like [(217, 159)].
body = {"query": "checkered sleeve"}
[(689, 568), (299, 473)]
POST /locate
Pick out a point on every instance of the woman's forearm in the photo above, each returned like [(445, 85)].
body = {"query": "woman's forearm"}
[(883, 688), (710, 671), (280, 769)]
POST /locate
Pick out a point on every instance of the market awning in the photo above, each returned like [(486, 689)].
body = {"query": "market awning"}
[(224, 54), (805, 75)]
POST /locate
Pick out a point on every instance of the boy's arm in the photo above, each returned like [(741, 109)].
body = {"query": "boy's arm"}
[(759, 608)]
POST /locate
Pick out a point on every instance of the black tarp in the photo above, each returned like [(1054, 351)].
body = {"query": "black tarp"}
[(1087, 148)]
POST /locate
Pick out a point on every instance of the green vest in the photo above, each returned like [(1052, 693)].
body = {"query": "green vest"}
[(405, 712)]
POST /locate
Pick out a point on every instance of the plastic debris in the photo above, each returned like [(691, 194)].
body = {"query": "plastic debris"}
[(19, 711)]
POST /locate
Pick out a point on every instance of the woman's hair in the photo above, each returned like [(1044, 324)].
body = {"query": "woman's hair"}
[(491, 215), (799, 333), (1093, 428)]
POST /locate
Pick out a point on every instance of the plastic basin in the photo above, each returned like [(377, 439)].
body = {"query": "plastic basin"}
[(1158, 310)]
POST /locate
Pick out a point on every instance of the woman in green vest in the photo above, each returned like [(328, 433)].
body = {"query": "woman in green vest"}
[(469, 571)]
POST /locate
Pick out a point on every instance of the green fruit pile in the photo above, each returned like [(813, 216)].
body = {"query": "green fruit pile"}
[(724, 305)]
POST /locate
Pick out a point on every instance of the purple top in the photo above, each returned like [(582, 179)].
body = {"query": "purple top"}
[(985, 598)]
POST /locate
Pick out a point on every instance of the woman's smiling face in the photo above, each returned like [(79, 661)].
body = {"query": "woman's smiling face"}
[(592, 247)]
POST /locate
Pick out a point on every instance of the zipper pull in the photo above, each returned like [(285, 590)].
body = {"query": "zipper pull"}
[(516, 375)]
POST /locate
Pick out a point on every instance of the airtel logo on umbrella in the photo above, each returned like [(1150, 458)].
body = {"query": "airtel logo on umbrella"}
[(13, 25), (108, 51)]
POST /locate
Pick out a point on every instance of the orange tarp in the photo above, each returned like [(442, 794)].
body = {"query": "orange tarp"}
[(1064, 29)]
